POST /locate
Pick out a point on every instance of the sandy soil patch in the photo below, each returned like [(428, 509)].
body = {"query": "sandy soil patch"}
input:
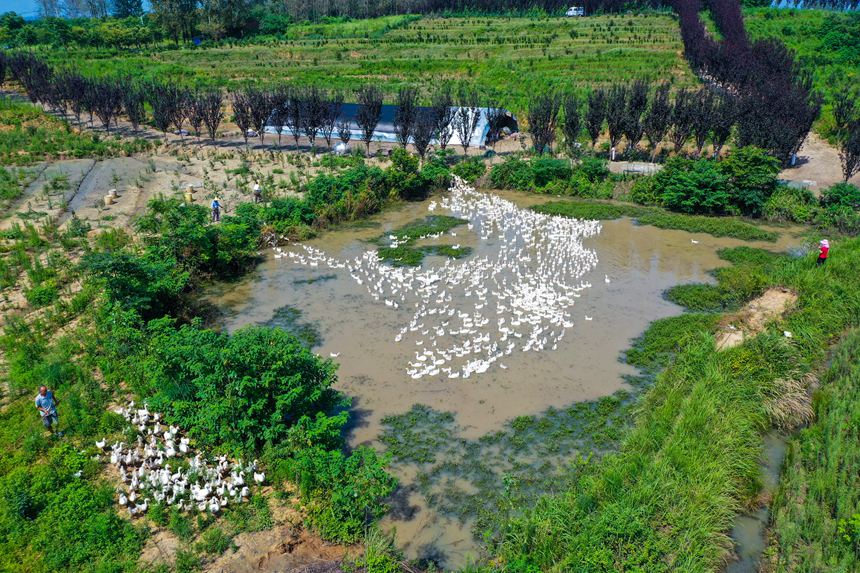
[(754, 317)]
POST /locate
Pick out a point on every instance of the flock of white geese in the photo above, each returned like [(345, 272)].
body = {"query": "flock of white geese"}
[(469, 314), (147, 475)]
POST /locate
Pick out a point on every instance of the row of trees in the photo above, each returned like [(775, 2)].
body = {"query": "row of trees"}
[(776, 104), (634, 112), (310, 111)]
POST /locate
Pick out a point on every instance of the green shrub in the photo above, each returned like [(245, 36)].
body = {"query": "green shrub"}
[(596, 169), (513, 173), (694, 187), (547, 169), (841, 195), (752, 178), (790, 204), (42, 294), (230, 391), (646, 191), (214, 541), (470, 169), (149, 285), (341, 493)]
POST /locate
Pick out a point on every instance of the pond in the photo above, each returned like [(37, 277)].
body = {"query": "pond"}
[(536, 316)]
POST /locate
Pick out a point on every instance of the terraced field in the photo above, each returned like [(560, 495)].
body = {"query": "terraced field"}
[(502, 56)]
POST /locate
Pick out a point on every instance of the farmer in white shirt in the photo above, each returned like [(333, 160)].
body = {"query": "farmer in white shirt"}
[(46, 403)]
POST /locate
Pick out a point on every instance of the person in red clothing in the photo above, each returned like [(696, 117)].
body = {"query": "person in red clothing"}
[(823, 251)]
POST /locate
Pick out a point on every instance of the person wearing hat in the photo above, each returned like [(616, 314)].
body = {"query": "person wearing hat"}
[(823, 251), (216, 210)]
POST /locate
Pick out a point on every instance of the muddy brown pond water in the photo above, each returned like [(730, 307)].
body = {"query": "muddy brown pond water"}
[(361, 334)]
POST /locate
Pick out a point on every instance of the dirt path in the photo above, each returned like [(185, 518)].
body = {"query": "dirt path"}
[(818, 166), (286, 546)]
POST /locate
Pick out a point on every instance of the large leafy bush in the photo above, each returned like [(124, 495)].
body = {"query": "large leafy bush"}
[(233, 392)]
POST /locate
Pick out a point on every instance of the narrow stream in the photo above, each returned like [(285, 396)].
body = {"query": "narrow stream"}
[(749, 531)]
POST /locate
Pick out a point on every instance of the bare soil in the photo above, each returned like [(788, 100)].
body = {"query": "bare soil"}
[(754, 317)]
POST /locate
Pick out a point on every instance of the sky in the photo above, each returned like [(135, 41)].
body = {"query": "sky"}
[(26, 8)]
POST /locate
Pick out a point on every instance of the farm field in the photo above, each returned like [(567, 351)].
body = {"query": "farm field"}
[(503, 57), (618, 334)]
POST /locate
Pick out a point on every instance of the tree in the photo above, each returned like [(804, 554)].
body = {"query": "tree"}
[(422, 134), (595, 114), (344, 132), (260, 108), (723, 120), (495, 121), (682, 118), (637, 103), (211, 108), (616, 104), (182, 110), (657, 119), (844, 108), (127, 8), (241, 112), (702, 117), (369, 111), (195, 115), (332, 108), (278, 118), (293, 113), (312, 114), (133, 102), (542, 117), (571, 123), (849, 150), (405, 115), (467, 117), (108, 101), (443, 111)]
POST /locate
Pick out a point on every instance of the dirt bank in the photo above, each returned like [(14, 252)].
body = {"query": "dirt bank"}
[(754, 317)]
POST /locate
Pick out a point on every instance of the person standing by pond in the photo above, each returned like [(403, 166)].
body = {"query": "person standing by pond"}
[(823, 251), (46, 403), (216, 210)]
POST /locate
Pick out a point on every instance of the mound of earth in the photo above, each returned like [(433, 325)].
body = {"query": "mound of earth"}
[(754, 316)]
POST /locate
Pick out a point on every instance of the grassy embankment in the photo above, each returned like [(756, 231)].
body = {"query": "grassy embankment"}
[(667, 499), (717, 226), (503, 56)]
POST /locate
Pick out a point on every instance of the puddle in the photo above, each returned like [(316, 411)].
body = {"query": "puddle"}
[(640, 261)]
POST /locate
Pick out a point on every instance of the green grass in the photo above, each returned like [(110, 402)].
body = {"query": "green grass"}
[(407, 254), (716, 226), (667, 499), (816, 509), (28, 135), (503, 56)]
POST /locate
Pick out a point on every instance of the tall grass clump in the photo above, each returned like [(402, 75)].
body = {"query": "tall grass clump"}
[(816, 520)]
